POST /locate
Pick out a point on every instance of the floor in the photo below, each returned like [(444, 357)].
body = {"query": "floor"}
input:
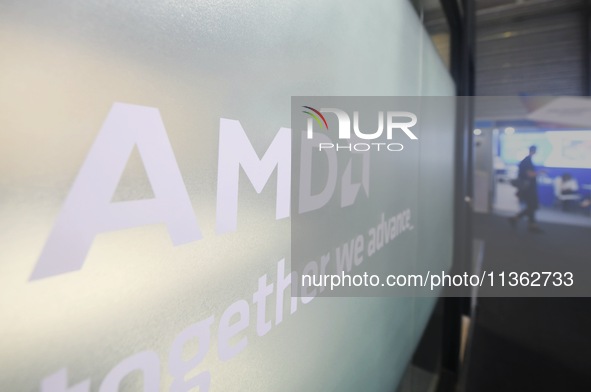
[(531, 344)]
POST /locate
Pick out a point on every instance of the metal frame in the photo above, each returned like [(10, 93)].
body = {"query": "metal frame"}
[(586, 46), (461, 19), (446, 320)]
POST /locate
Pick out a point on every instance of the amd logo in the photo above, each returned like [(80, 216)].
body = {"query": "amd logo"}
[(88, 210)]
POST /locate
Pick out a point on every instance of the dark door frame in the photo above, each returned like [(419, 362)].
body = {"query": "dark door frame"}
[(461, 16)]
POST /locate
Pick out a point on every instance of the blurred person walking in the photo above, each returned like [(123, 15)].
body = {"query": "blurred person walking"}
[(527, 192)]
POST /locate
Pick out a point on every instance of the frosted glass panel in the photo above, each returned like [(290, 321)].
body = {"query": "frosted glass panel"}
[(118, 267)]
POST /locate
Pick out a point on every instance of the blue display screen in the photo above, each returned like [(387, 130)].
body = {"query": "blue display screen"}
[(555, 148)]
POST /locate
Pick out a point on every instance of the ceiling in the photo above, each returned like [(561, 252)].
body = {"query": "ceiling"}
[(500, 11)]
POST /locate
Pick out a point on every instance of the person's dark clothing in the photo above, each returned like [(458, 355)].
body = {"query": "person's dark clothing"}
[(528, 190)]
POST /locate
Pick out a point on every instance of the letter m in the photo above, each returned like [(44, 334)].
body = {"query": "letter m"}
[(235, 151)]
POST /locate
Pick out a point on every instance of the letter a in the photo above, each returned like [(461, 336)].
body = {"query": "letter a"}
[(88, 209)]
